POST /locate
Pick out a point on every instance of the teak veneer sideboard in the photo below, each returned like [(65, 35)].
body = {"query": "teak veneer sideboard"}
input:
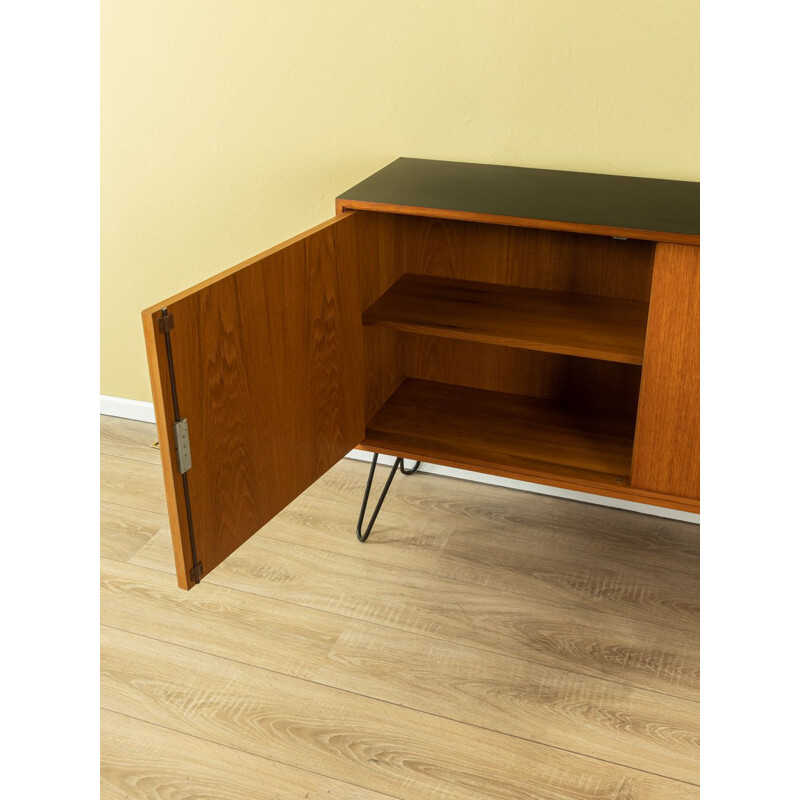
[(534, 324)]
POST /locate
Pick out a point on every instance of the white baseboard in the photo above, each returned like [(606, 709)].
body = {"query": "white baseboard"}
[(138, 410), (129, 409)]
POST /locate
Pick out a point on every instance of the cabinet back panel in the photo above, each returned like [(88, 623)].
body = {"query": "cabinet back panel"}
[(601, 384), (390, 245), (536, 259), (383, 367), (377, 252)]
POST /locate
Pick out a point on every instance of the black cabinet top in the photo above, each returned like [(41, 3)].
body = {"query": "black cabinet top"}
[(581, 200)]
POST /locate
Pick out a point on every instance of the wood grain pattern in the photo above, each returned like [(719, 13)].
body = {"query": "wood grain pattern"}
[(128, 438), (269, 374), (141, 761), (532, 319), (377, 249), (490, 431), (573, 712), (564, 574), (566, 379), (132, 483), (640, 729), (405, 654), (383, 368), (642, 654), (350, 738), (124, 530), (219, 620), (327, 522), (666, 456), (532, 259), (541, 524), (389, 246), (378, 268)]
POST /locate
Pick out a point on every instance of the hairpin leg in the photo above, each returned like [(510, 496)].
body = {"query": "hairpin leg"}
[(408, 471), (398, 462)]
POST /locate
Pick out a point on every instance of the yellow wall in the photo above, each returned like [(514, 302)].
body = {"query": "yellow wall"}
[(230, 125)]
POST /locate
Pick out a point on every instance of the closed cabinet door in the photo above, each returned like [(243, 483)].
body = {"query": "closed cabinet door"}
[(257, 378), (666, 452)]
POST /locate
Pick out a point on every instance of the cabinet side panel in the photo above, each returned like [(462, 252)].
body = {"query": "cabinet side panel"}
[(666, 454)]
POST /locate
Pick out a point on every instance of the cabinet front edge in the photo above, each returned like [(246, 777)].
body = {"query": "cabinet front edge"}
[(343, 205), (645, 496)]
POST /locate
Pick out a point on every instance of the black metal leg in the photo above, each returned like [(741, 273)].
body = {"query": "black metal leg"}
[(398, 462)]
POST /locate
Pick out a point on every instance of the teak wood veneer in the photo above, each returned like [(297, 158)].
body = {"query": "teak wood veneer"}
[(532, 319), (535, 324)]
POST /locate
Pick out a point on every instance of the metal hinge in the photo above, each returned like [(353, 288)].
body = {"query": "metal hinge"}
[(180, 428), (166, 322), (182, 445), (196, 572)]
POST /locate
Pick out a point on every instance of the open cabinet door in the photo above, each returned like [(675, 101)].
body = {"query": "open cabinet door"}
[(257, 378)]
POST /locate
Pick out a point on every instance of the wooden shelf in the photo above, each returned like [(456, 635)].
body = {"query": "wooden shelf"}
[(533, 319), (504, 434)]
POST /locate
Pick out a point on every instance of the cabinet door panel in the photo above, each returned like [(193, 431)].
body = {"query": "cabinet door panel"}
[(666, 452), (268, 372)]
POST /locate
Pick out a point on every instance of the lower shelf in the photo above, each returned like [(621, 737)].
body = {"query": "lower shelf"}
[(503, 434)]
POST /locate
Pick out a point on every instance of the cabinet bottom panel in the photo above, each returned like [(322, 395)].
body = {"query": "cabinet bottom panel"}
[(526, 438), (489, 431)]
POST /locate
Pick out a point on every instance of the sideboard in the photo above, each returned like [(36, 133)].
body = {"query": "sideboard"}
[(535, 324)]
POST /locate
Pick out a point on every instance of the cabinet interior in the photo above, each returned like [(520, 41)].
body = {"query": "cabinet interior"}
[(511, 350)]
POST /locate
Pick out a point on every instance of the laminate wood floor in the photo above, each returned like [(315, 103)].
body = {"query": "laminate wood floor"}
[(484, 643)]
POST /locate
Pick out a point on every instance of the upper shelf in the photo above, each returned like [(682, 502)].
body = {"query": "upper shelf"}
[(582, 202), (533, 319)]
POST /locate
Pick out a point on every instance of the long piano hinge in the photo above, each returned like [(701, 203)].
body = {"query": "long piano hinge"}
[(166, 322)]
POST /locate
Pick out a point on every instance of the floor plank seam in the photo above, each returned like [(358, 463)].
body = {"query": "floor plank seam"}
[(561, 603), (148, 510), (592, 649), (218, 584), (249, 753), (149, 462), (163, 514), (583, 504), (401, 705)]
